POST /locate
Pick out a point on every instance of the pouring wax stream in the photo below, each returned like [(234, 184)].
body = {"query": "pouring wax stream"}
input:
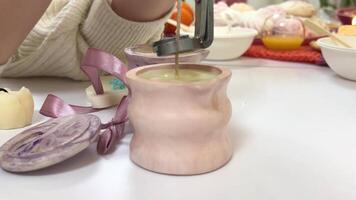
[(179, 19)]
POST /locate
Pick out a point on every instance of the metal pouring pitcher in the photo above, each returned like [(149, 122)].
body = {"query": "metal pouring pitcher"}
[(203, 37)]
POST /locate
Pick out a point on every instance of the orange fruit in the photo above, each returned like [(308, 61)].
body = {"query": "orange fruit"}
[(187, 19), (187, 7)]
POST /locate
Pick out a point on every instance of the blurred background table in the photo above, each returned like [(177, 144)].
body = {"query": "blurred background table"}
[(293, 129)]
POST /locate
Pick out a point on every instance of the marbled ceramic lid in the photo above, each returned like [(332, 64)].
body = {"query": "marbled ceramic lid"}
[(49, 143)]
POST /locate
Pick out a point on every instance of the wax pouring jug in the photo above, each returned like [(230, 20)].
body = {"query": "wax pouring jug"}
[(203, 37)]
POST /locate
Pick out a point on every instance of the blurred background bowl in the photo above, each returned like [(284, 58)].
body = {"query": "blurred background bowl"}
[(141, 55), (341, 60), (229, 43)]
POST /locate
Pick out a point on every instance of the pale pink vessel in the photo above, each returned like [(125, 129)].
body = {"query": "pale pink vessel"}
[(180, 128)]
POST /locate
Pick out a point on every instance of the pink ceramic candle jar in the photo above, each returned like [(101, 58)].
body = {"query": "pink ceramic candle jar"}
[(180, 127)]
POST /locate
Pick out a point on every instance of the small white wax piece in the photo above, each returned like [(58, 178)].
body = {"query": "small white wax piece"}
[(16, 108), (114, 90)]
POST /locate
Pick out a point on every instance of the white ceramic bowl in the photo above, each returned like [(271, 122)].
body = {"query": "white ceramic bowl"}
[(229, 44), (341, 60)]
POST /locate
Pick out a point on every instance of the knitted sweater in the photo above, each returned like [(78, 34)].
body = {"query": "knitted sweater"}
[(58, 41)]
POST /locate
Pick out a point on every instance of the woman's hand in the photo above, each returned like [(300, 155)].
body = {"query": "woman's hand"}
[(142, 10), (17, 18)]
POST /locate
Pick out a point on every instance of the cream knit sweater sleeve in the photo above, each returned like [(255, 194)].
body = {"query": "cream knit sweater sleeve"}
[(58, 41)]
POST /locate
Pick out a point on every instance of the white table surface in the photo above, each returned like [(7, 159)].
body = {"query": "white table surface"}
[(293, 128)]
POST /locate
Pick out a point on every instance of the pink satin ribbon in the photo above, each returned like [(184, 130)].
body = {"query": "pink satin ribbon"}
[(93, 62)]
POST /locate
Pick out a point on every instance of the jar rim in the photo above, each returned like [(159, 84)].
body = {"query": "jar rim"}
[(223, 73)]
